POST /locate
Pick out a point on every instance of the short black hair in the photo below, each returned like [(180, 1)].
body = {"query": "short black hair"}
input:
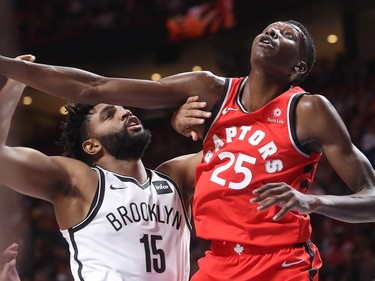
[(309, 49), (75, 131)]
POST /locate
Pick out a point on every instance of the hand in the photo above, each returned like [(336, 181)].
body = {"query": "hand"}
[(8, 270), (284, 196), (9, 254), (29, 58), (26, 57), (190, 117)]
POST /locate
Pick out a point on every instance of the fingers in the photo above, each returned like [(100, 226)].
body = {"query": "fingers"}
[(9, 253), (9, 272), (192, 99), (192, 121), (194, 135), (193, 108), (27, 57), (274, 194), (268, 190), (190, 117), (287, 207)]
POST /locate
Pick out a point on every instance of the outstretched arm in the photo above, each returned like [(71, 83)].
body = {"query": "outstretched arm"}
[(86, 87)]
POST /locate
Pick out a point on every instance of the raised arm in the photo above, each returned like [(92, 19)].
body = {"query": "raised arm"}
[(320, 126), (26, 170), (86, 87)]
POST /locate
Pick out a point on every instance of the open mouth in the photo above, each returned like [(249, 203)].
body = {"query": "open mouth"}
[(132, 121), (266, 41)]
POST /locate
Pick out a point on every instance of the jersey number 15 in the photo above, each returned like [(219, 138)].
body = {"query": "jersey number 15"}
[(155, 258)]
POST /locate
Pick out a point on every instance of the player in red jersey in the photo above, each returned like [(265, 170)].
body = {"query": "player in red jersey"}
[(261, 149)]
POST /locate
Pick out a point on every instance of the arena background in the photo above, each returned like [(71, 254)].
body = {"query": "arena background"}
[(139, 38)]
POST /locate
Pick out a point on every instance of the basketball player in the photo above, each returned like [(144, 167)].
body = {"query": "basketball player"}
[(260, 153), (8, 271), (121, 220)]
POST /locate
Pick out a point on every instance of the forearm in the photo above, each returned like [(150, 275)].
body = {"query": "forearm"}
[(10, 95), (71, 83), (85, 87), (355, 208)]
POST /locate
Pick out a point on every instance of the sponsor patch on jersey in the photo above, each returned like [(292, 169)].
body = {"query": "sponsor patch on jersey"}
[(276, 116), (162, 187)]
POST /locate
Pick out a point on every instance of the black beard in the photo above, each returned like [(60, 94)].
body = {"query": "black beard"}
[(124, 146)]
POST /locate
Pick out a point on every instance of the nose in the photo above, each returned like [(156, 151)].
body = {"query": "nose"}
[(272, 32), (125, 113)]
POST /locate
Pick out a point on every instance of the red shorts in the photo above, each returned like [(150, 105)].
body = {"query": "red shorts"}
[(236, 262)]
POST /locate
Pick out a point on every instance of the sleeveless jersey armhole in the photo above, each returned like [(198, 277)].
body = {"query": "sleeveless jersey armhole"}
[(292, 124), (216, 108), (96, 202), (180, 195)]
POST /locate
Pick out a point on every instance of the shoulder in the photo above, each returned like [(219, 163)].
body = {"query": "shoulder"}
[(208, 80), (74, 198), (315, 108), (195, 77), (309, 103), (210, 84), (182, 169), (79, 177), (72, 166), (209, 76), (317, 119), (204, 84)]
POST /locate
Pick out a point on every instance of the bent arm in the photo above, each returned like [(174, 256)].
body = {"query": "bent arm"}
[(86, 87), (329, 132), (23, 169)]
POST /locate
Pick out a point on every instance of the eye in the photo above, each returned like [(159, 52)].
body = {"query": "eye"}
[(108, 116), (289, 35)]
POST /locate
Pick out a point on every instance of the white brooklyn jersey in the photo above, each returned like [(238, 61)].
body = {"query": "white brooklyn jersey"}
[(132, 232)]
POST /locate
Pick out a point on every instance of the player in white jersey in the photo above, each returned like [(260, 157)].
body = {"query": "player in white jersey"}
[(122, 221), (145, 226)]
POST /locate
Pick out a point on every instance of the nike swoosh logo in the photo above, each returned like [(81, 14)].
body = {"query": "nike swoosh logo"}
[(225, 110), (117, 187), (285, 264)]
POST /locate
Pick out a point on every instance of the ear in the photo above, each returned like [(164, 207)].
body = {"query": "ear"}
[(298, 70), (91, 146)]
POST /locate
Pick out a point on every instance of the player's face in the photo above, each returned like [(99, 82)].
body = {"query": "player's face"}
[(108, 118), (119, 131), (277, 48)]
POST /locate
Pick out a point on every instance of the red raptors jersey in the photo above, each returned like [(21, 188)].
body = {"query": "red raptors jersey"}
[(243, 151)]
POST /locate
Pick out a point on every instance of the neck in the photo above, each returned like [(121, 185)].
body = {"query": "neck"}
[(260, 90), (130, 168)]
